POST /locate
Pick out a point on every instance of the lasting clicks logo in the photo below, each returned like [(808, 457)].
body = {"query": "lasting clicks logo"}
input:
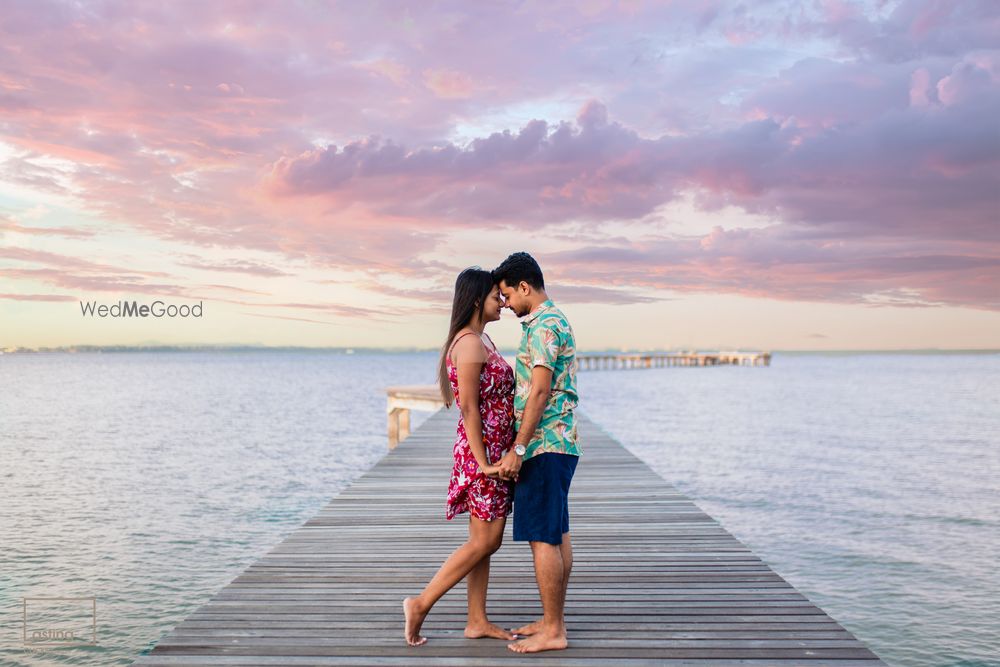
[(58, 622)]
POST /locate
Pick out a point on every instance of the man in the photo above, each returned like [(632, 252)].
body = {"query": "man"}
[(546, 450)]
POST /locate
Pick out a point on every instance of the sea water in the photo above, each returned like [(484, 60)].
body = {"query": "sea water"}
[(148, 481)]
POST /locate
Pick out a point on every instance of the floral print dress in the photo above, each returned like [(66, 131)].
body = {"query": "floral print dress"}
[(469, 489)]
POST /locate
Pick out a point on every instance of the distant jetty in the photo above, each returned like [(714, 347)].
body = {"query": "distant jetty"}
[(620, 361)]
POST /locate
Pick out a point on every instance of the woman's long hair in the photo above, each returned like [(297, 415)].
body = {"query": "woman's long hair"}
[(472, 288)]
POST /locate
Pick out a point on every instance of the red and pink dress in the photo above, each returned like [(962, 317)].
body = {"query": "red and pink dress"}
[(470, 490)]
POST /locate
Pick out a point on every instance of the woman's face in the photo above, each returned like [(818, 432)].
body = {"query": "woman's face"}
[(493, 305)]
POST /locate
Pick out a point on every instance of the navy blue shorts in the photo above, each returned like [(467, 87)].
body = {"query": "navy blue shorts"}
[(541, 497)]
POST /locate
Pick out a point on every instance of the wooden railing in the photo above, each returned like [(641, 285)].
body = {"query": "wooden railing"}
[(399, 402)]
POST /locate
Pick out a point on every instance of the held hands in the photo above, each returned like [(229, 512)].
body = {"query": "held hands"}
[(507, 469), (509, 466), (491, 471)]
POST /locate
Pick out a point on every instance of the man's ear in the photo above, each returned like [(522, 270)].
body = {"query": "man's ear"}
[(524, 287)]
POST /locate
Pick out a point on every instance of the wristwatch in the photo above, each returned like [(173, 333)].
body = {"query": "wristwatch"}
[(519, 450)]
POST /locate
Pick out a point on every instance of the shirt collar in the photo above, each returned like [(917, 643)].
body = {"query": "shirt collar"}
[(530, 317)]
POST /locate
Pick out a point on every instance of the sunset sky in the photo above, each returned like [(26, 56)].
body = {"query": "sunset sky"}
[(776, 175)]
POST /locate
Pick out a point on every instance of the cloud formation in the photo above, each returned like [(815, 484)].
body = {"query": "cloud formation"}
[(367, 140)]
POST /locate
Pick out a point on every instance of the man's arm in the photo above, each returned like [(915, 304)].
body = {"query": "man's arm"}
[(538, 396)]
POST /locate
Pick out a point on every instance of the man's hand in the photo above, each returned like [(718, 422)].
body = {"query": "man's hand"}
[(491, 471), (509, 465)]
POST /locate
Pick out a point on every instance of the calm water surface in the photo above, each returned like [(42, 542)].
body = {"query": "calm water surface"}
[(150, 480)]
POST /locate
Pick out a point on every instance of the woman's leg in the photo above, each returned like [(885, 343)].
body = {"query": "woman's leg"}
[(482, 542), (476, 584)]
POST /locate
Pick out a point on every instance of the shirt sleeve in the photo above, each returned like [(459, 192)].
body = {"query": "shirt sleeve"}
[(544, 342)]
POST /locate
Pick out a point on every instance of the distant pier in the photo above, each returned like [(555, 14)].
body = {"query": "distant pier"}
[(622, 361)]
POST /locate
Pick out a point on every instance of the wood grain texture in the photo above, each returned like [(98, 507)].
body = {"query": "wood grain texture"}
[(656, 581)]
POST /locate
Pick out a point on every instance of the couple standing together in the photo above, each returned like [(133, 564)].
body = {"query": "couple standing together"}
[(517, 445)]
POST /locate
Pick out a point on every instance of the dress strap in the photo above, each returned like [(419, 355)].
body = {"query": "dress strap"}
[(492, 344), (457, 338)]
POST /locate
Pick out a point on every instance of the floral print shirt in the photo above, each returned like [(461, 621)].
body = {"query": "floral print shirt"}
[(547, 340)]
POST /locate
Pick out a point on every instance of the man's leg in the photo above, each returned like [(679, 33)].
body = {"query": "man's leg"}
[(550, 577), (566, 550), (477, 581)]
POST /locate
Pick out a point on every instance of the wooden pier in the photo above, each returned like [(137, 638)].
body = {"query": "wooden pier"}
[(594, 362), (400, 400), (656, 581)]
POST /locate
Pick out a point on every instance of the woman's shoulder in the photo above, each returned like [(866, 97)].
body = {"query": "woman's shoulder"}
[(468, 348)]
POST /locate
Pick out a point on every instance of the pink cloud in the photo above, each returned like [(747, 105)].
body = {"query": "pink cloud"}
[(287, 317), (920, 87), (327, 135), (912, 30), (67, 262), (776, 262), (337, 309), (123, 283), (975, 77), (884, 175), (69, 232), (234, 266), (449, 83), (38, 297)]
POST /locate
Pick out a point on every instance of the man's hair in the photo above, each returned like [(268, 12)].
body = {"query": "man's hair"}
[(519, 266)]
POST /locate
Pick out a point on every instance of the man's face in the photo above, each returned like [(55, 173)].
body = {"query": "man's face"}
[(515, 297)]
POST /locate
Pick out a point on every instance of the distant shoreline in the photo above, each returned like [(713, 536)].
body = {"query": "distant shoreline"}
[(102, 349)]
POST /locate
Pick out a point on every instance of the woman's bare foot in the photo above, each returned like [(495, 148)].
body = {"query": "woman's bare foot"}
[(541, 641), (414, 618), (529, 629), (486, 629)]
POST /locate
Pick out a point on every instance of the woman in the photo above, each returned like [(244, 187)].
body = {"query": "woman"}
[(482, 383)]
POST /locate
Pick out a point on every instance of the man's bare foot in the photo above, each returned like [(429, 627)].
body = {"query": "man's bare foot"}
[(413, 618), (487, 629), (539, 642), (529, 629)]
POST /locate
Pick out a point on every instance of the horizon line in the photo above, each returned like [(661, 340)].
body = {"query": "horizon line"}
[(225, 347)]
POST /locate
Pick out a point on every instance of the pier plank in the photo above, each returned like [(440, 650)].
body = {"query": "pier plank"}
[(656, 581)]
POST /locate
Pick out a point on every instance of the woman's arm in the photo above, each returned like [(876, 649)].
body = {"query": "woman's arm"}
[(469, 357)]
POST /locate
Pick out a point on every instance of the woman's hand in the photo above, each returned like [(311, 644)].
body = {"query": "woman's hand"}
[(509, 465), (494, 472)]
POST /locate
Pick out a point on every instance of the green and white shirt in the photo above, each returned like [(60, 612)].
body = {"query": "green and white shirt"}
[(547, 340)]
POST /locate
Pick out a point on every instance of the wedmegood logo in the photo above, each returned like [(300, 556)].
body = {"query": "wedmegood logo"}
[(135, 309)]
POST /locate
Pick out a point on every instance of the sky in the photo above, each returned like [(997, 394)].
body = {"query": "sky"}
[(690, 174)]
